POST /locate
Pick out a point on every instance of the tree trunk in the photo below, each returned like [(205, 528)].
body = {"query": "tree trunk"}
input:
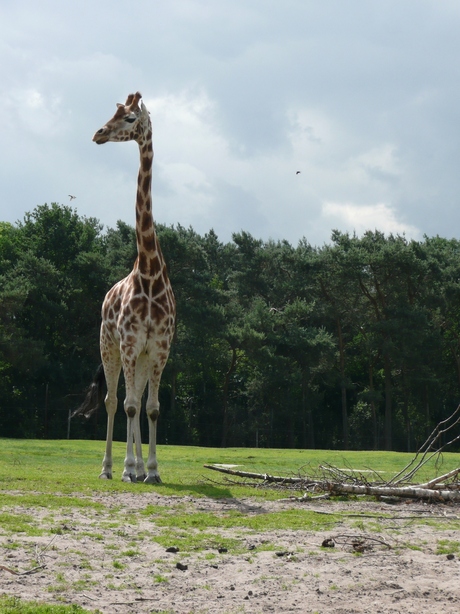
[(306, 410), (343, 387), (405, 411), (225, 417), (388, 402), (373, 408)]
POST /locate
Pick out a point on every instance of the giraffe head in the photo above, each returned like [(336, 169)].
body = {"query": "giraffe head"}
[(131, 122)]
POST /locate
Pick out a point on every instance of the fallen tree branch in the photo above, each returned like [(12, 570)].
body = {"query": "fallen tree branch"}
[(409, 492), (416, 491), (441, 478), (337, 481), (257, 476), (430, 448)]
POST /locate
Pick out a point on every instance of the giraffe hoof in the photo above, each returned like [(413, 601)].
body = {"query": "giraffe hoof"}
[(129, 478), (141, 478), (105, 475), (152, 479)]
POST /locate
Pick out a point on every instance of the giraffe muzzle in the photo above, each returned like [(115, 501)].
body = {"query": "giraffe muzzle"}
[(100, 137)]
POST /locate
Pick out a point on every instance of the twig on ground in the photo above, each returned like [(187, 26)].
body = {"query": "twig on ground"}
[(22, 573), (360, 543), (39, 558), (257, 476)]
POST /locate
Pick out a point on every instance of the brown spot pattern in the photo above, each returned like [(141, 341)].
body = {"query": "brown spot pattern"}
[(146, 222), (148, 243), (142, 259)]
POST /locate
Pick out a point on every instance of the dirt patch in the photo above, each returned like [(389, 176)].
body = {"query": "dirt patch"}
[(107, 559)]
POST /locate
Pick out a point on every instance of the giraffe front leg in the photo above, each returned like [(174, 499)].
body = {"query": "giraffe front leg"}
[(140, 467), (153, 411), (153, 476), (129, 471), (141, 378)]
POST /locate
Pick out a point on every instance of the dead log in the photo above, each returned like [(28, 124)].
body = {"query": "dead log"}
[(257, 476), (431, 491), (406, 492)]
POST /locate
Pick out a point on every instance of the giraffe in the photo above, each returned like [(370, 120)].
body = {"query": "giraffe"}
[(138, 313)]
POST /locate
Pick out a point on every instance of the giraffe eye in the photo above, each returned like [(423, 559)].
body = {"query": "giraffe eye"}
[(130, 120)]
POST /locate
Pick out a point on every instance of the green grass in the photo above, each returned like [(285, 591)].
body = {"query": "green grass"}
[(19, 523), (448, 546), (14, 605), (198, 541), (64, 467), (194, 531)]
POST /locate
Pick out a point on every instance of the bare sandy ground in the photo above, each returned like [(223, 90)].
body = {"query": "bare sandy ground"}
[(297, 575)]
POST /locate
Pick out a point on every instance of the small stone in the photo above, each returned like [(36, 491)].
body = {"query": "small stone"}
[(222, 550), (450, 557), (172, 549), (328, 543), (181, 566)]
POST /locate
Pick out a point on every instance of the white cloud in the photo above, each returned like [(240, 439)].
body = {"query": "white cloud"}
[(360, 218), (37, 112), (185, 127), (380, 163)]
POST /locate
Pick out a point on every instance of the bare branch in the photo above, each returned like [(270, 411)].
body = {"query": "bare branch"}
[(257, 476)]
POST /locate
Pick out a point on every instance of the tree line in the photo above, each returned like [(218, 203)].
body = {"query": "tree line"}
[(350, 345)]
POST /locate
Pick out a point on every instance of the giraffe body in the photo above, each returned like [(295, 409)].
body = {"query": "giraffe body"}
[(138, 313)]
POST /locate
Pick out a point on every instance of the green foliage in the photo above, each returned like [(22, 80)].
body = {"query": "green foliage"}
[(352, 345)]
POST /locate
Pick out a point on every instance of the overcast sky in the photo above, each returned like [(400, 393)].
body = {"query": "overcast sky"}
[(361, 96)]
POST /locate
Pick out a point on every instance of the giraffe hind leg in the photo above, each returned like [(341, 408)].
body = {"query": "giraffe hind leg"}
[(153, 412), (141, 381), (112, 367)]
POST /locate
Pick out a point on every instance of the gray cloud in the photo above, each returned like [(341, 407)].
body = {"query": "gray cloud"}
[(362, 97)]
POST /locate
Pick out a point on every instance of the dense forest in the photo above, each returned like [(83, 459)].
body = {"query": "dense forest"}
[(351, 345)]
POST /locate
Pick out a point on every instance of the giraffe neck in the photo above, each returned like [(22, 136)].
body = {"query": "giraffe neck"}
[(150, 259)]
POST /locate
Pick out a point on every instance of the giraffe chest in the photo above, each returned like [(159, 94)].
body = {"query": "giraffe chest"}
[(139, 315)]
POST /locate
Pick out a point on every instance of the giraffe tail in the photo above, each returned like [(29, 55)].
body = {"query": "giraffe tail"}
[(94, 395)]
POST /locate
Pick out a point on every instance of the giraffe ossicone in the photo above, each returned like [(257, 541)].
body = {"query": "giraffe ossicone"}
[(138, 313)]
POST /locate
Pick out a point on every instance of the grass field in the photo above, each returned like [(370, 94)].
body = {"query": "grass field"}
[(61, 477), (63, 466)]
